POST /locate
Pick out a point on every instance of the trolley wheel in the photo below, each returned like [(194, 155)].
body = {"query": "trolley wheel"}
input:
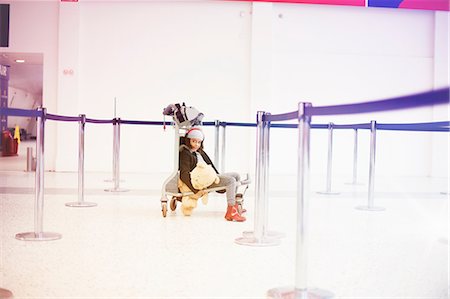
[(164, 209), (173, 203)]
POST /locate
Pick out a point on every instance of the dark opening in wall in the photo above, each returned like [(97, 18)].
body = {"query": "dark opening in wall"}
[(4, 25)]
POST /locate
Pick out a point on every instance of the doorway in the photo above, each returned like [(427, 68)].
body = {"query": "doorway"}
[(24, 91)]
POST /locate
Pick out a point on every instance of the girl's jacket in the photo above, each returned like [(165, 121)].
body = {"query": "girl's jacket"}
[(188, 161)]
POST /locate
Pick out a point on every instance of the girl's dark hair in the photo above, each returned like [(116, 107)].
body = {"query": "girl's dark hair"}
[(187, 141)]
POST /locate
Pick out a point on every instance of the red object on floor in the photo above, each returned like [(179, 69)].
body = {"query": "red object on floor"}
[(9, 144)]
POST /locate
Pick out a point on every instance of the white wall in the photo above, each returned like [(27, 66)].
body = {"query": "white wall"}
[(334, 55), (148, 55), (230, 59)]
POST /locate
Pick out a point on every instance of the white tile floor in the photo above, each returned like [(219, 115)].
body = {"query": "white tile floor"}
[(124, 248), (18, 162)]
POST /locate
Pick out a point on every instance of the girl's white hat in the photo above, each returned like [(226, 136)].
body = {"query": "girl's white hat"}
[(195, 133)]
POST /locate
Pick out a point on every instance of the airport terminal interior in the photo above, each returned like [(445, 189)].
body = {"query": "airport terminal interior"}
[(125, 248), (82, 202)]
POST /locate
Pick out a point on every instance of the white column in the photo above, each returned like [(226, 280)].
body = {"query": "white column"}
[(260, 59), (440, 141), (261, 56), (68, 74)]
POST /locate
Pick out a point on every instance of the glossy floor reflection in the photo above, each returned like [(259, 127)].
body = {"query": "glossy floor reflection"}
[(124, 248)]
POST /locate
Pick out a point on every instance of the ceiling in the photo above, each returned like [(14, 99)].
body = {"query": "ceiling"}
[(27, 76)]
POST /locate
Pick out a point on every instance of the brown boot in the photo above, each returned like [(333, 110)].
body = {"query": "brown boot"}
[(233, 214)]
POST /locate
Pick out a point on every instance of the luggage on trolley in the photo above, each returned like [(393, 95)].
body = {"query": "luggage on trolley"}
[(184, 118)]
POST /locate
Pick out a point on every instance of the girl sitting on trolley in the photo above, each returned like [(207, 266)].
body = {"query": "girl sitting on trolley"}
[(190, 154)]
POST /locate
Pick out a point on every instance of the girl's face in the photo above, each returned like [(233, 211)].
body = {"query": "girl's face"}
[(195, 143)]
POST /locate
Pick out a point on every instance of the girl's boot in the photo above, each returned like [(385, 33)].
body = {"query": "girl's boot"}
[(233, 214)]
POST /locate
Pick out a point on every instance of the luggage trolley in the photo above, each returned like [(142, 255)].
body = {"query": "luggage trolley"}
[(170, 185)]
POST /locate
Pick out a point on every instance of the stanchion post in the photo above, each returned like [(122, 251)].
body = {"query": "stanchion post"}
[(266, 155), (81, 202), (30, 159), (355, 159), (115, 120), (116, 157), (355, 156), (81, 158), (116, 154), (329, 161), (301, 290), (373, 135), (258, 230), (216, 142), (39, 178), (373, 143), (39, 234), (260, 236), (222, 154)]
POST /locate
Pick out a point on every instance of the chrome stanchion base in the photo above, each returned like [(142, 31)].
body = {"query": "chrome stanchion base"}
[(116, 190), (5, 294), (367, 208), (32, 236), (112, 180), (269, 234), (328, 193), (82, 204), (444, 241), (293, 293), (258, 242)]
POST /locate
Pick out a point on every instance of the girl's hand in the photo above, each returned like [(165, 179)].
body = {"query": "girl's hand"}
[(200, 194)]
